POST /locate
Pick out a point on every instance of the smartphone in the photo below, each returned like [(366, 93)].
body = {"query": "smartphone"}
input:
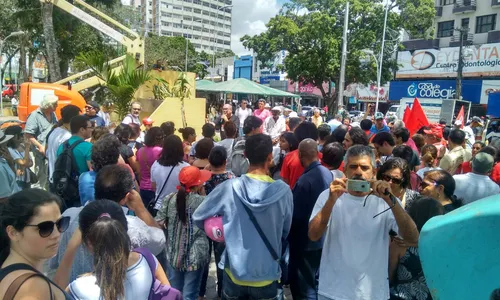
[(358, 186)]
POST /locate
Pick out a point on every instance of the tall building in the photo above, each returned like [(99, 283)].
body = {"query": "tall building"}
[(428, 68), (207, 23)]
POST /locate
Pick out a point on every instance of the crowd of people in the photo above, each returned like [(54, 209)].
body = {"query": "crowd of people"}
[(329, 208)]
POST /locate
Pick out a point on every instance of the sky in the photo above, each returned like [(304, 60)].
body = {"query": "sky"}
[(250, 17)]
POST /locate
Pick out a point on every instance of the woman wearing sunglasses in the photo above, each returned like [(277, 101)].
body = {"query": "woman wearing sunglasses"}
[(397, 172), (30, 229), (440, 185)]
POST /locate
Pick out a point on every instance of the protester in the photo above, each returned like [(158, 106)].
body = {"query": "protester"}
[(107, 107), (254, 196), (261, 112), (115, 183), (355, 136), (440, 185), (21, 156), (207, 131), (168, 128), (118, 272), (434, 136), (293, 122), (333, 155), (288, 143), (366, 125), (81, 130), (457, 154), (228, 143), (133, 116), (477, 184), (477, 127), (189, 137), (203, 148), (98, 133), (188, 245), (217, 159), (30, 230), (384, 143), (227, 115), (405, 269), (292, 168), (58, 135), (429, 160), (146, 156), (9, 184), (419, 141), (239, 162), (379, 125), (135, 141), (411, 158), (323, 133), (105, 152), (148, 124), (494, 135), (91, 111), (338, 135), (466, 167), (274, 125), (317, 119), (304, 252), (38, 125), (123, 132), (363, 264), (242, 113), (397, 172), (335, 122), (165, 171)]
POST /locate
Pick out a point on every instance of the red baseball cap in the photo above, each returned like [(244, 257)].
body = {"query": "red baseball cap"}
[(147, 121), (435, 130), (192, 176)]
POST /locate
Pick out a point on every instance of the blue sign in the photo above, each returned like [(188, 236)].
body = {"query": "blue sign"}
[(435, 89), (267, 79)]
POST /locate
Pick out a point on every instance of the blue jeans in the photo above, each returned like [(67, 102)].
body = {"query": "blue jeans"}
[(232, 291), (186, 282)]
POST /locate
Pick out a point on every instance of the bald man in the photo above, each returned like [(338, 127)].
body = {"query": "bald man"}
[(227, 115), (305, 255)]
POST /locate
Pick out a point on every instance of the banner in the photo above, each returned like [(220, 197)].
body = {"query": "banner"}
[(472, 90), (478, 61)]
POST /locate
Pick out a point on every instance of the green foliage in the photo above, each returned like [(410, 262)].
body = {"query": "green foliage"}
[(121, 84), (171, 51), (182, 91)]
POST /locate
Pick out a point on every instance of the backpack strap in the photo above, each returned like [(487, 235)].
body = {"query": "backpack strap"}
[(148, 256), (74, 165), (20, 280)]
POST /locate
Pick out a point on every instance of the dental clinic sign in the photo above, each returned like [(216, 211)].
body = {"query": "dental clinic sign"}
[(479, 61), (431, 90)]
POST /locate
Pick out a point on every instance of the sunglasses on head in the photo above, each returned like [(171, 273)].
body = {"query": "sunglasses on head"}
[(390, 178), (424, 184), (46, 228)]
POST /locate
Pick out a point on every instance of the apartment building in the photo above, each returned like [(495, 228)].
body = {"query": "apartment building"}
[(207, 23)]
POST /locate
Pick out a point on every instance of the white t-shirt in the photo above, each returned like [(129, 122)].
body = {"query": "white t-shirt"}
[(137, 283), (354, 262), (131, 119), (242, 114), (159, 174), (56, 138), (471, 187)]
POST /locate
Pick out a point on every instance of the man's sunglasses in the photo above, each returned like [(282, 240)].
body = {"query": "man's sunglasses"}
[(388, 178), (46, 228)]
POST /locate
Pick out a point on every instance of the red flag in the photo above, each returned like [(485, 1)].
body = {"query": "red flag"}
[(417, 118), (461, 117), (406, 116)]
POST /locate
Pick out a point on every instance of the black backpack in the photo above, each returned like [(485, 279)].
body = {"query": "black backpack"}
[(65, 176)]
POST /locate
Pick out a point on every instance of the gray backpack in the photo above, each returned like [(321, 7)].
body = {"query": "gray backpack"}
[(239, 163)]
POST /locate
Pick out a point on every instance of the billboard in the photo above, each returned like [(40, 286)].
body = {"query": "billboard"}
[(472, 90), (483, 60)]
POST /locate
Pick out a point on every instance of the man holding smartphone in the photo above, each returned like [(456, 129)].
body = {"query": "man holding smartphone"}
[(356, 218)]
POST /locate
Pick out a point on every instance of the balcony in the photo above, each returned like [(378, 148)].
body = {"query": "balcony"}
[(495, 3), (418, 44), (468, 40), (494, 37), (464, 6), (439, 10)]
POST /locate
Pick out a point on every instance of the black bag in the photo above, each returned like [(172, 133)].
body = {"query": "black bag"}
[(65, 176), (152, 204)]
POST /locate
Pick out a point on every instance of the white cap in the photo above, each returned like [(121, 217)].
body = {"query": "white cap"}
[(278, 108), (293, 115)]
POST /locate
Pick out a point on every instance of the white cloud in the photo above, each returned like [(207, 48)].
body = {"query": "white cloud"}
[(250, 17)]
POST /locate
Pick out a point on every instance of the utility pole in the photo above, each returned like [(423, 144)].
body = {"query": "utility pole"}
[(381, 59), (344, 57), (462, 31)]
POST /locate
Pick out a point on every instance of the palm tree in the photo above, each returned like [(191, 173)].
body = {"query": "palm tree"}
[(122, 82)]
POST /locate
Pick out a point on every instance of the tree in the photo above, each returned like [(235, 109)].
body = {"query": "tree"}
[(171, 51), (314, 40)]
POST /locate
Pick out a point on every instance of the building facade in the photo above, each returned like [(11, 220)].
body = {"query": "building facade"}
[(207, 23)]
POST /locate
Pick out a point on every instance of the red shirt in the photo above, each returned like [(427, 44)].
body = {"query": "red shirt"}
[(465, 168), (495, 174), (292, 169)]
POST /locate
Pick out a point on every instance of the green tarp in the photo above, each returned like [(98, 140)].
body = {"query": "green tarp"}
[(203, 83), (243, 86)]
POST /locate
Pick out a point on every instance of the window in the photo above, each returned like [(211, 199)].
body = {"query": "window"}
[(446, 2), (486, 23), (465, 23), (445, 29)]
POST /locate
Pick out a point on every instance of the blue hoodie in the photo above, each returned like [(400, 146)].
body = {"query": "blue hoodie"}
[(272, 205)]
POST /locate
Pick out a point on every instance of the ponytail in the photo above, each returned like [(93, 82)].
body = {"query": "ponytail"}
[(180, 203), (104, 230)]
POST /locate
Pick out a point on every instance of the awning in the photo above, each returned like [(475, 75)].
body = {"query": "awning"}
[(244, 86)]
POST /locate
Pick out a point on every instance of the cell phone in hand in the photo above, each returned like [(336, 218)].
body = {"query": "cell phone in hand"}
[(362, 186)]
